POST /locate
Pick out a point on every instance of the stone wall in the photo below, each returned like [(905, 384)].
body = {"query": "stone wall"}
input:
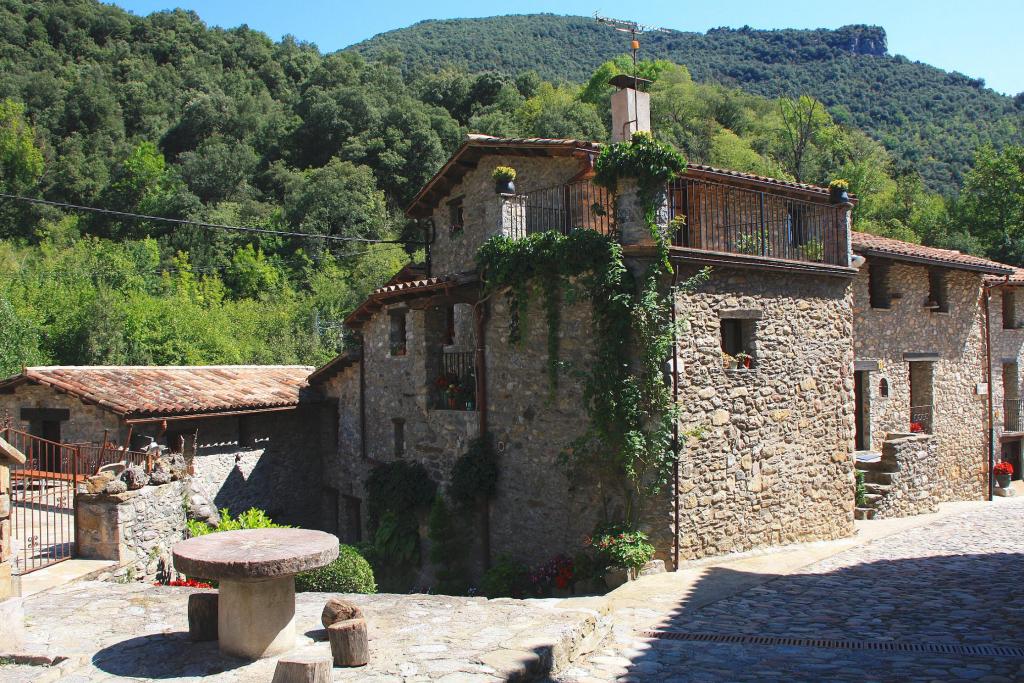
[(455, 252), (916, 485), (768, 458), (954, 339), (6, 529), (1007, 347), (87, 421), (136, 529)]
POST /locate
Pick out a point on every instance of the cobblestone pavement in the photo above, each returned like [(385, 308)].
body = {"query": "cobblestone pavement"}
[(957, 581), (114, 632)]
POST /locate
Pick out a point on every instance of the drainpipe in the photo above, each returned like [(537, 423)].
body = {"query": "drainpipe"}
[(675, 422), (991, 427), (362, 395), (480, 314)]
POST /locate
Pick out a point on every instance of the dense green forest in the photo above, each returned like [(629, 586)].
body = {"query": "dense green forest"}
[(163, 116), (928, 118)]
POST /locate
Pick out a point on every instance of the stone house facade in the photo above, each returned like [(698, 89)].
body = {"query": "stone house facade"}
[(920, 356), (768, 459), (1005, 300), (251, 442)]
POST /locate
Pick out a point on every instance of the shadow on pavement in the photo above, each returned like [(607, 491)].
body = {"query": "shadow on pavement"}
[(163, 655)]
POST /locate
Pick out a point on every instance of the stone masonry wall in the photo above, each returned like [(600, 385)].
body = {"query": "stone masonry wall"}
[(916, 486), (455, 252), (768, 459), (1007, 347), (136, 529), (6, 530), (959, 412), (87, 421)]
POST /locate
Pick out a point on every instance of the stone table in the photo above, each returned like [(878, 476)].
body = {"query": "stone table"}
[(256, 569)]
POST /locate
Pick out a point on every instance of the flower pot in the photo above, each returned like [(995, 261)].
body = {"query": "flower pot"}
[(452, 403), (505, 186), (838, 195), (1003, 480), (615, 577)]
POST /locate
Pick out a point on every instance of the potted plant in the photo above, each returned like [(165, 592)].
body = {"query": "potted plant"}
[(729, 362), (839, 191), (1003, 471), (813, 250), (622, 550), (744, 359), (504, 179)]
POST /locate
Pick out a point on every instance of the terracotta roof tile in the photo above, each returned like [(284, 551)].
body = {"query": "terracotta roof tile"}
[(170, 390), (885, 246), (1017, 278)]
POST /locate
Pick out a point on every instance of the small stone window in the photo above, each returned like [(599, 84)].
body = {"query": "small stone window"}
[(738, 336), (397, 334), (1009, 310), (456, 216), (938, 302), (883, 388), (878, 285), (398, 429)]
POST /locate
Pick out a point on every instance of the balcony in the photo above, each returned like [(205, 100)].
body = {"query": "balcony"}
[(455, 387), (1013, 408), (921, 420), (575, 206), (713, 216)]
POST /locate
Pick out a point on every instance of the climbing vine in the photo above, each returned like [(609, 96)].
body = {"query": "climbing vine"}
[(628, 403)]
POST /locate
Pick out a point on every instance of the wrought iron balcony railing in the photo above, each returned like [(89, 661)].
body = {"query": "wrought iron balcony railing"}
[(713, 216), (455, 388), (575, 206), (1013, 409)]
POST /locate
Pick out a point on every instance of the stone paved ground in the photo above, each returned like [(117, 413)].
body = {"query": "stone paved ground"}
[(957, 580), (115, 632)]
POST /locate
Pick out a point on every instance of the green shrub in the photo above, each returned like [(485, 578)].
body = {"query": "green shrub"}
[(620, 546), (506, 579), (350, 573), (860, 489), (253, 518)]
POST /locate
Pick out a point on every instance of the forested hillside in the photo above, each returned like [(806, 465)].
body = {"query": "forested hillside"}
[(163, 116), (925, 116)]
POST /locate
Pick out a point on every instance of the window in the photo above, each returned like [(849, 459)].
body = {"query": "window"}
[(883, 388), (456, 216), (398, 428), (738, 342), (449, 324), (1009, 310), (878, 285), (937, 301), (397, 333)]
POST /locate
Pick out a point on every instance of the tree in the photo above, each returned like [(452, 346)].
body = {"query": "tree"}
[(804, 121), (992, 202), (21, 160)]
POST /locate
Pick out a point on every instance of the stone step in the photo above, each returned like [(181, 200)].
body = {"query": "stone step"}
[(871, 498), (880, 489), (863, 513), (883, 465), (884, 478)]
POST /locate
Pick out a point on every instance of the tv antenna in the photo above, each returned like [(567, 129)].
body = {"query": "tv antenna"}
[(634, 29)]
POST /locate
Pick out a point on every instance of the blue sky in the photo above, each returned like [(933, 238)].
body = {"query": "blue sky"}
[(981, 38)]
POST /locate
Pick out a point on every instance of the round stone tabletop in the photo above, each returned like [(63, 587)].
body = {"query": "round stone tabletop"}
[(254, 554)]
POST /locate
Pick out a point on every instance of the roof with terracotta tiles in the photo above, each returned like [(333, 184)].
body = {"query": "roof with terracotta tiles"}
[(156, 391), (1016, 278), (476, 145), (334, 366), (868, 244), (398, 289)]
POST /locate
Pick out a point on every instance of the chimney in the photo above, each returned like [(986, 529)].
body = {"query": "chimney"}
[(631, 107)]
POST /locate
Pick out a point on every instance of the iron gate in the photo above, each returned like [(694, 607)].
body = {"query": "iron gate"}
[(43, 501)]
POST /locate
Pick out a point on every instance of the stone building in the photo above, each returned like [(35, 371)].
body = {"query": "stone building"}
[(254, 445), (769, 460), (921, 382), (1005, 298)]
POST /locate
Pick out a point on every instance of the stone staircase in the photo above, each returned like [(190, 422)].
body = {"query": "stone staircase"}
[(878, 480)]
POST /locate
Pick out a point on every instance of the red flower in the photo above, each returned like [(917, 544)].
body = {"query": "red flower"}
[(916, 427), (1003, 469), (185, 583)]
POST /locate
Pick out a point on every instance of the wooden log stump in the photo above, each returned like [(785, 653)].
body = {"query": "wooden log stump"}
[(303, 669), (349, 644), (202, 616), (337, 610)]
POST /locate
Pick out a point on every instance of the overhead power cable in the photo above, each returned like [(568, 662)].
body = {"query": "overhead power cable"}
[(200, 224)]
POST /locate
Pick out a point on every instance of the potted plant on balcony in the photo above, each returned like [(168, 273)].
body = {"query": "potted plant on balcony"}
[(744, 360), (504, 179), (813, 250), (839, 191), (729, 362), (1003, 471)]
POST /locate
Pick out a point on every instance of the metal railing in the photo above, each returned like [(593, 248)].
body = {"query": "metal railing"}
[(1013, 409), (455, 388), (713, 216), (921, 419), (575, 206)]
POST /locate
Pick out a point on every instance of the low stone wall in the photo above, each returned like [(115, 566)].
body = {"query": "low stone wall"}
[(136, 529), (917, 487)]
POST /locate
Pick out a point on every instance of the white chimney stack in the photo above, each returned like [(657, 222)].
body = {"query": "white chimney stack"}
[(631, 107)]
